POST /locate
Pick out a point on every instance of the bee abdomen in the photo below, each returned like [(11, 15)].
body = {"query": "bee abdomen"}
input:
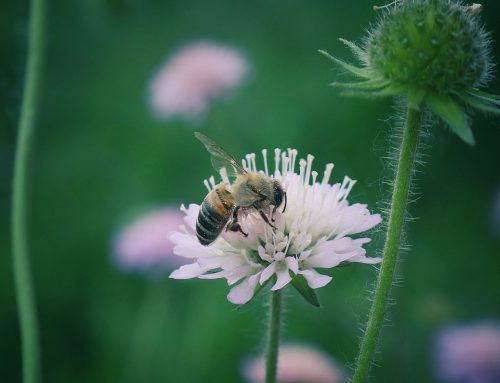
[(210, 223)]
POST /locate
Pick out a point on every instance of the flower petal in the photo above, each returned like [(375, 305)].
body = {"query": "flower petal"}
[(363, 259), (314, 279), (192, 270), (283, 279), (243, 292), (292, 264), (263, 254), (267, 273)]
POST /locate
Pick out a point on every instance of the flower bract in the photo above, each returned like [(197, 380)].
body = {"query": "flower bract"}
[(435, 53)]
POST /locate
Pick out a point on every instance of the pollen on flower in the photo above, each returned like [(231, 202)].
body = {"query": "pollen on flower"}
[(143, 246), (296, 363), (315, 232), (191, 79)]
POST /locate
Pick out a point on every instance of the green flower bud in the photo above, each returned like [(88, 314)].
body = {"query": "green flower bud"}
[(433, 52)]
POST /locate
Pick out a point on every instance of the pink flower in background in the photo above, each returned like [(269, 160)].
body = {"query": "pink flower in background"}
[(193, 77), (469, 353), (296, 364), (143, 245)]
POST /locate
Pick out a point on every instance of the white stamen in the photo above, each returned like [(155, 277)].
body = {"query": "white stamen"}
[(224, 176), (264, 156), (302, 167), (212, 181), (207, 185), (327, 173), (346, 187), (276, 161), (249, 162), (315, 175), (244, 164), (294, 157), (310, 159), (284, 163), (252, 156)]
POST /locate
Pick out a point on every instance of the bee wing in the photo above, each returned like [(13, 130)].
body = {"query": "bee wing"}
[(220, 158)]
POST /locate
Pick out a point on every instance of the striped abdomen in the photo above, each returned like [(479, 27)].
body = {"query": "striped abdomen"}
[(214, 213)]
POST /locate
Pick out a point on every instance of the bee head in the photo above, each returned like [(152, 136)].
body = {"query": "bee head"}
[(278, 194)]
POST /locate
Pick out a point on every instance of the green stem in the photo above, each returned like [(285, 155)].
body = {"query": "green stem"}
[(273, 337), (21, 265), (399, 201)]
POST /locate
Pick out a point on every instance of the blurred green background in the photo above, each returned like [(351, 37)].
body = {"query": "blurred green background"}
[(100, 154)]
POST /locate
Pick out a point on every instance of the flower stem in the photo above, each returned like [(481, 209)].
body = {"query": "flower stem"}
[(21, 265), (273, 336), (399, 201)]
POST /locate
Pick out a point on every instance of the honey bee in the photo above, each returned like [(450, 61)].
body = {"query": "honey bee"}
[(250, 190)]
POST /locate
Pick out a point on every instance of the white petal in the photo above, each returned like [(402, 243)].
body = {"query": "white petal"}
[(370, 222), (314, 279), (242, 293), (263, 254), (267, 273), (237, 274), (363, 259), (305, 254), (292, 264), (279, 256), (220, 274), (191, 215), (192, 270), (283, 279)]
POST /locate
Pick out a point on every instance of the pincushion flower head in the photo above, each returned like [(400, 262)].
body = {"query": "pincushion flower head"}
[(195, 76), (268, 241), (435, 53), (142, 245), (469, 353), (297, 363)]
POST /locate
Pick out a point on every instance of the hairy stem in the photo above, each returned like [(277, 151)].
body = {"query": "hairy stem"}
[(399, 201), (273, 336), (21, 265)]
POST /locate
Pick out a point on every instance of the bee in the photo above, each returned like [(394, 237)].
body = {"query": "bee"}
[(250, 190)]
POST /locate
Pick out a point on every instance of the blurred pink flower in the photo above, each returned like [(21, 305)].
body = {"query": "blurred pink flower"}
[(469, 353), (193, 77), (143, 245), (296, 364)]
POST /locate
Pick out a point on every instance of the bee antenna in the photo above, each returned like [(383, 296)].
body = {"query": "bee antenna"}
[(284, 208)]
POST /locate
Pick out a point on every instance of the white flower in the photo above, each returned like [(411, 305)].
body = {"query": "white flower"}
[(193, 77), (313, 233), (296, 363)]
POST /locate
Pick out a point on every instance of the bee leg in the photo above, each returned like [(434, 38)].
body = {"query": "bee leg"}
[(286, 200), (234, 225), (264, 217), (273, 212)]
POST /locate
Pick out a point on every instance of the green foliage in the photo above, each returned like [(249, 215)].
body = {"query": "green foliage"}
[(300, 284)]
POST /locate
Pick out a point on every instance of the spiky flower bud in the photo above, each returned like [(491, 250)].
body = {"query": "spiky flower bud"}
[(432, 45), (433, 52)]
